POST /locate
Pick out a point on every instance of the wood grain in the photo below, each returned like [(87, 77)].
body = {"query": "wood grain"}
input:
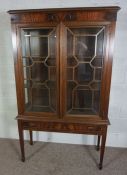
[(60, 121)]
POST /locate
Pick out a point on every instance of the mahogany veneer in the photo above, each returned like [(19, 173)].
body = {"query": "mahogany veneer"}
[(63, 64)]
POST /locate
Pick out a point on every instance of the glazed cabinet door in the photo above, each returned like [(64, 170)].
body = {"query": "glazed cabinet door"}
[(84, 66), (39, 66)]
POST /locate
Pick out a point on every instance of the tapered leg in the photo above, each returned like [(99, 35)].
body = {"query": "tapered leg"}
[(103, 140), (21, 139), (98, 142), (31, 137)]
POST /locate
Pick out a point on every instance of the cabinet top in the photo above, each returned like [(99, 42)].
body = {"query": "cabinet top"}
[(55, 15), (105, 8)]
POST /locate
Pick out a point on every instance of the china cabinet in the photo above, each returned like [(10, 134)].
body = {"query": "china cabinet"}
[(63, 63)]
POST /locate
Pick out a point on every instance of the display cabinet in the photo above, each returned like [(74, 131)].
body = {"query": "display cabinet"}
[(63, 62)]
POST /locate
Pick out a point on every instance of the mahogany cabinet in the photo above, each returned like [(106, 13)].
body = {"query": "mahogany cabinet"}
[(63, 63)]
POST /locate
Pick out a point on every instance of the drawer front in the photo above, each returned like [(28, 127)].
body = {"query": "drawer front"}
[(63, 127), (31, 125)]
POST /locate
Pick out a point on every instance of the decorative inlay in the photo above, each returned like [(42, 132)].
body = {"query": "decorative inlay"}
[(52, 17), (70, 17), (62, 127)]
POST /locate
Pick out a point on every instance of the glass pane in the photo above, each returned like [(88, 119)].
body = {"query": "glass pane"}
[(83, 73), (85, 47), (39, 72), (84, 69), (39, 65), (40, 96)]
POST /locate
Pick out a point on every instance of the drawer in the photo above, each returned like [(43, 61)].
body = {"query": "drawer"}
[(31, 125), (94, 128), (62, 127), (88, 129)]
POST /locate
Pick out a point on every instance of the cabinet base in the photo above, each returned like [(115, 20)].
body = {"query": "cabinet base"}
[(64, 127)]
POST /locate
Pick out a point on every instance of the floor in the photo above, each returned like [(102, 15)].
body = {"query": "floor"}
[(59, 159)]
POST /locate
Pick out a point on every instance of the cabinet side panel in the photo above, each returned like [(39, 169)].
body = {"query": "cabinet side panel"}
[(17, 72), (107, 70)]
